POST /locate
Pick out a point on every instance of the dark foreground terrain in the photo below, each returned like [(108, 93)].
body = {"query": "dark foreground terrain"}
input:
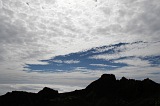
[(106, 91)]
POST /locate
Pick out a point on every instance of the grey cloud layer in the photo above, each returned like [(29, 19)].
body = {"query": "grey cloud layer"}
[(32, 30), (34, 87), (138, 19)]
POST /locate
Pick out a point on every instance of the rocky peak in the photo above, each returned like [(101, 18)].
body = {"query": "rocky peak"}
[(105, 91), (108, 77), (48, 92)]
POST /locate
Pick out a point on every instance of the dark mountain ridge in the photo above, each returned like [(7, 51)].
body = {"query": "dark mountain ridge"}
[(105, 91)]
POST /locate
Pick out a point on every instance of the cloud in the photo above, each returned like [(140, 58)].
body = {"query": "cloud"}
[(33, 82), (31, 31), (128, 56), (35, 88), (131, 19), (135, 62), (67, 61), (100, 65), (0, 4), (36, 30), (71, 62), (141, 49), (103, 65), (146, 23)]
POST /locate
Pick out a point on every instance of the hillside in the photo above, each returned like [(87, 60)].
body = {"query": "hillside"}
[(105, 91)]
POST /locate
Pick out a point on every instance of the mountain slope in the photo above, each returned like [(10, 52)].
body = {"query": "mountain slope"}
[(105, 91)]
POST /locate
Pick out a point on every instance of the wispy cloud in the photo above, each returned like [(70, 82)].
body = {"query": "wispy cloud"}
[(136, 62), (100, 65), (66, 61), (105, 58), (137, 49)]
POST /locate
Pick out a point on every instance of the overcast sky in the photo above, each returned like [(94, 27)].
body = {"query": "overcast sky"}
[(41, 35)]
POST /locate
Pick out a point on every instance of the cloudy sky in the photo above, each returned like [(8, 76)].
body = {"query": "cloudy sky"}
[(66, 44)]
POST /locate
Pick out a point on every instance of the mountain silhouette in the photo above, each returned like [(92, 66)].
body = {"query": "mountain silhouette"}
[(105, 91)]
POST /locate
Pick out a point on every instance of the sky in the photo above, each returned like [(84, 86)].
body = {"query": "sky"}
[(66, 44)]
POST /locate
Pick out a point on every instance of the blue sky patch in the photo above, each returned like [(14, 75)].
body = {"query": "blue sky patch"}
[(84, 60)]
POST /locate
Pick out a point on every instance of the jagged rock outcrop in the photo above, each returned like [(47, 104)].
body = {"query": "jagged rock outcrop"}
[(19, 98), (105, 91), (48, 93)]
